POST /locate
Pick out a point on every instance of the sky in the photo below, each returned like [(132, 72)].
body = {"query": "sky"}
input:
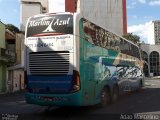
[(9, 12), (140, 14)]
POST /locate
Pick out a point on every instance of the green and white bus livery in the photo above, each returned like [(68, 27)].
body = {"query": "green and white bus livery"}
[(71, 61)]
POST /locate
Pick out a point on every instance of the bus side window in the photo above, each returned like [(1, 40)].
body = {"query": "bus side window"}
[(121, 45)]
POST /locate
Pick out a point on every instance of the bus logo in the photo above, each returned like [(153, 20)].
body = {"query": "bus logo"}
[(35, 23), (49, 28), (54, 22)]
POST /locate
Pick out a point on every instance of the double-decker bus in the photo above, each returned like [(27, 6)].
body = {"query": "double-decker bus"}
[(71, 61)]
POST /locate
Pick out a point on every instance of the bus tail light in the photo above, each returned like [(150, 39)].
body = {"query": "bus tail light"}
[(75, 82)]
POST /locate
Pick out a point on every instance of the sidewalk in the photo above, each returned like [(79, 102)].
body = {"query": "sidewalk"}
[(12, 97), (156, 77), (152, 78), (3, 94)]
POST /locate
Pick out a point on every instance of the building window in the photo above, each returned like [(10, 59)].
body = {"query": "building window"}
[(154, 63)]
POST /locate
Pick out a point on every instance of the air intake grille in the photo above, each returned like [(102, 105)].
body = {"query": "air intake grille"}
[(49, 63)]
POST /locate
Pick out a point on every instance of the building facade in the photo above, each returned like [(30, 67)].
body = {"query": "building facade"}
[(154, 33), (157, 32), (29, 8), (151, 51), (109, 14), (3, 59), (7, 54), (151, 56), (2, 36), (16, 75)]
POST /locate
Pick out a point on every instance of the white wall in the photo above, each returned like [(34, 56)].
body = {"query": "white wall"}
[(150, 48), (151, 37), (105, 13), (28, 10), (56, 6), (44, 3)]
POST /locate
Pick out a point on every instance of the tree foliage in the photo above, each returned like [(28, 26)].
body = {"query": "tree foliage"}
[(12, 28), (134, 38)]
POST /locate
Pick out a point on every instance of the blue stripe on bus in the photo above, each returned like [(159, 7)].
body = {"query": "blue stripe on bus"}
[(55, 83)]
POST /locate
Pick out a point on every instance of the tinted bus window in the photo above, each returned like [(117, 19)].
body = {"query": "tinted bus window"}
[(135, 51)]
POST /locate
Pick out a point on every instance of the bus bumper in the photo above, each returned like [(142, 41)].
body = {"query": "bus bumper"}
[(73, 99)]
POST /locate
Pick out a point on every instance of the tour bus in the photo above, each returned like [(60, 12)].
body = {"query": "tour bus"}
[(70, 61)]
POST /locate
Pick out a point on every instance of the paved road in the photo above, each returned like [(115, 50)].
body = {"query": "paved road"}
[(145, 102)]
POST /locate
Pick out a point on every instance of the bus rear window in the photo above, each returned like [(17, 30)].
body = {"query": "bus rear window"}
[(50, 24)]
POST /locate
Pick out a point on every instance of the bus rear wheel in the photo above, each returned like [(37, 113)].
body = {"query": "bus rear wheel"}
[(115, 94), (105, 97)]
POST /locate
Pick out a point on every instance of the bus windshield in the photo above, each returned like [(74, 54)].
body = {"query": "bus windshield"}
[(50, 24)]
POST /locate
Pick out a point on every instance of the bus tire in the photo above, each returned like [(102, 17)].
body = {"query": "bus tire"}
[(115, 94), (105, 97)]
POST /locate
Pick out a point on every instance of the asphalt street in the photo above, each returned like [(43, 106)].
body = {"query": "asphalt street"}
[(135, 105)]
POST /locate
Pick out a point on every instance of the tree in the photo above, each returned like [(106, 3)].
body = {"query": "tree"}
[(12, 28), (134, 38)]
